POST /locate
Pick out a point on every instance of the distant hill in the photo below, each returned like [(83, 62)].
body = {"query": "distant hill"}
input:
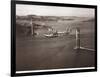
[(89, 20), (45, 18)]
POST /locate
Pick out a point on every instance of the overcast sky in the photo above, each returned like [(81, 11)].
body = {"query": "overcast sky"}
[(53, 11)]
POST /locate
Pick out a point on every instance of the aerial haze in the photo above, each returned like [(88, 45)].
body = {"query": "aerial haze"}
[(53, 11)]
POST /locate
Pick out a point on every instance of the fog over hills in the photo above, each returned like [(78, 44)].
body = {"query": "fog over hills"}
[(52, 18), (41, 10)]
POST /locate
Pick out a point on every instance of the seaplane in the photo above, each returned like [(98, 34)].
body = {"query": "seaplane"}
[(55, 33)]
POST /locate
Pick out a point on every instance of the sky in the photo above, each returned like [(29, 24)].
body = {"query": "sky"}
[(22, 9)]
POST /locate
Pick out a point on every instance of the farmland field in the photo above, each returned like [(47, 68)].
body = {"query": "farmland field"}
[(37, 53)]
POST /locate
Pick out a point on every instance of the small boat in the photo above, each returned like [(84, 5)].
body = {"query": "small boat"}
[(63, 32), (56, 33), (50, 35)]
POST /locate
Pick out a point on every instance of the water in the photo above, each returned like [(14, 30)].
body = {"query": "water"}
[(37, 53)]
